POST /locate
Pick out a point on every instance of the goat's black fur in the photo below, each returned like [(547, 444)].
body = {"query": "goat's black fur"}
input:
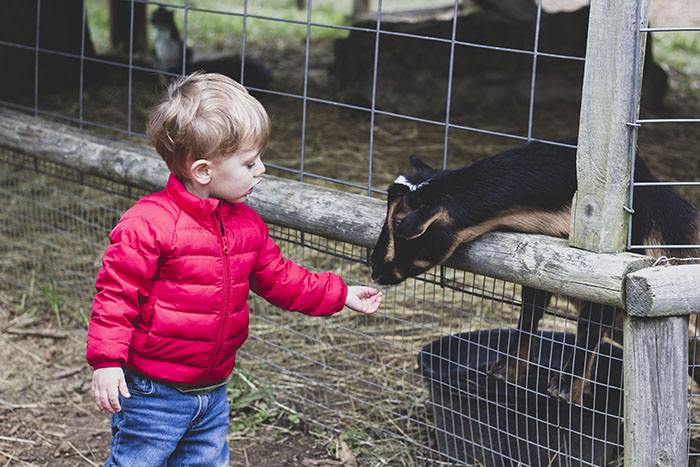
[(528, 188)]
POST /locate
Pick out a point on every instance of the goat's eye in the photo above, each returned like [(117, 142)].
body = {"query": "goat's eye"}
[(397, 222)]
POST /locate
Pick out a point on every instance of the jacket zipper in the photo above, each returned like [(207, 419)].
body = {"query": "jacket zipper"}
[(222, 322)]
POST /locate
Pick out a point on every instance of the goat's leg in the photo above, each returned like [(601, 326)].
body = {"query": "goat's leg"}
[(513, 366), (574, 379)]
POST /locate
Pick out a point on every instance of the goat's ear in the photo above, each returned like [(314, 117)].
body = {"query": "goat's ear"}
[(420, 167), (416, 223)]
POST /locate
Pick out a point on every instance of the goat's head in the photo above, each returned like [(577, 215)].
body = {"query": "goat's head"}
[(418, 232), (430, 213)]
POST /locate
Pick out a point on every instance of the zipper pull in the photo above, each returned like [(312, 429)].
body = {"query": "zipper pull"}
[(225, 245)]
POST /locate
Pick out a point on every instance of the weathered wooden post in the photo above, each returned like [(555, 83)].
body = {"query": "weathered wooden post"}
[(659, 301), (655, 366)]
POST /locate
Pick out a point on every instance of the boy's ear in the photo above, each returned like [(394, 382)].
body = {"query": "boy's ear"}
[(200, 171)]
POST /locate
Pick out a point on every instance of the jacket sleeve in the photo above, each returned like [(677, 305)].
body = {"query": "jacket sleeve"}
[(128, 267), (289, 286)]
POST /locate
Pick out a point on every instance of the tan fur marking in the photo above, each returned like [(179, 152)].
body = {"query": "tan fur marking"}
[(390, 250), (518, 219), (421, 263), (441, 217)]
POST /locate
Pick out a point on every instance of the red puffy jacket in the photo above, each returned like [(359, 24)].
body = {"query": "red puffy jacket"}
[(172, 290)]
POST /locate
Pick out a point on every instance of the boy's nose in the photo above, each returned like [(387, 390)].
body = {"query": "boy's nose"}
[(261, 170)]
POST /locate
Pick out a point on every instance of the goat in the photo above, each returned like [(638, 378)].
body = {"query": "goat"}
[(527, 189), (168, 51), (168, 43)]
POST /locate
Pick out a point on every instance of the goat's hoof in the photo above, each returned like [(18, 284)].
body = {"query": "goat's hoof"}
[(508, 370), (567, 389), (558, 389), (497, 370)]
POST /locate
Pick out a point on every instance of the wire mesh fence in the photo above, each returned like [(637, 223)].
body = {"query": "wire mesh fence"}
[(417, 372), (105, 91), (412, 376)]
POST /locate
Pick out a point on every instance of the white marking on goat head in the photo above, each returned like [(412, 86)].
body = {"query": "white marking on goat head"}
[(401, 180)]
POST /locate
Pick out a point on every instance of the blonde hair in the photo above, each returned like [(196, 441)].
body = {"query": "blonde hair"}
[(205, 116)]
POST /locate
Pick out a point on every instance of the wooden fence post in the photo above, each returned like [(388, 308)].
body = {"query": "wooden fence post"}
[(659, 300), (655, 386), (608, 104)]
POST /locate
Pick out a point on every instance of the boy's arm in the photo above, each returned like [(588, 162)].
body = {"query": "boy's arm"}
[(128, 267), (290, 286)]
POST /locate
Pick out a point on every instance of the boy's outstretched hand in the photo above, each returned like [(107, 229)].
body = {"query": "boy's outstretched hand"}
[(363, 299)]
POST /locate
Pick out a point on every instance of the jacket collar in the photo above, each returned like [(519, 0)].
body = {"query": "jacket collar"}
[(197, 207)]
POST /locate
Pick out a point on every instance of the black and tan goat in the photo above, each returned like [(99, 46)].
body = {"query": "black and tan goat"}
[(527, 189)]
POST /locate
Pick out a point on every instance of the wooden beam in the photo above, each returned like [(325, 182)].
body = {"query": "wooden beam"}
[(548, 263), (664, 291), (598, 219), (535, 260)]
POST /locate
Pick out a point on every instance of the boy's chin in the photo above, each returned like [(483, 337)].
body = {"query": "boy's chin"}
[(238, 200)]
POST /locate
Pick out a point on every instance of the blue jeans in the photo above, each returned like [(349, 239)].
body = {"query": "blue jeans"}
[(160, 426)]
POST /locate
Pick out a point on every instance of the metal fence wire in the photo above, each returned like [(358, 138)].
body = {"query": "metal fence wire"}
[(413, 375)]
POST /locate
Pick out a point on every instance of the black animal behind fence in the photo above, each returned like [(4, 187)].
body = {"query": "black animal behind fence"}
[(467, 81), (525, 189)]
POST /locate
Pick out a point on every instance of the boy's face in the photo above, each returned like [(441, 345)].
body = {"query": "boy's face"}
[(233, 178)]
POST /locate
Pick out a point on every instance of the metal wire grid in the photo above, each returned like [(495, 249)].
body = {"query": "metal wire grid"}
[(637, 123), (373, 371), (380, 337), (54, 225), (347, 370), (304, 97)]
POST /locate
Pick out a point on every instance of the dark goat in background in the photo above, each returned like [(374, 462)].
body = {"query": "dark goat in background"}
[(168, 49), (527, 189)]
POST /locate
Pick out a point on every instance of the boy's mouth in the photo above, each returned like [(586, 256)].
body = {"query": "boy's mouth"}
[(252, 188)]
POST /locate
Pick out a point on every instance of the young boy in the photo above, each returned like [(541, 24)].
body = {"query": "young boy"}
[(170, 310)]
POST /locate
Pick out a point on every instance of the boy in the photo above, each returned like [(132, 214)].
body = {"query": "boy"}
[(170, 310)]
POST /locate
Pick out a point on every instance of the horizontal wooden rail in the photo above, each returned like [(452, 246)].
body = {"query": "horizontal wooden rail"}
[(664, 291), (534, 260)]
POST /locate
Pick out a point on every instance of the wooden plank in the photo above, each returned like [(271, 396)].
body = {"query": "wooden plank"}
[(598, 220), (132, 164), (343, 216), (534, 260), (664, 291), (331, 213), (656, 391), (550, 264)]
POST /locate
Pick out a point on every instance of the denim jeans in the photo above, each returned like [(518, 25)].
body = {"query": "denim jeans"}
[(160, 426)]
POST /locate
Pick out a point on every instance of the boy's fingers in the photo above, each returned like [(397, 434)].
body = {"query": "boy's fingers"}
[(113, 398), (103, 402), (369, 292), (123, 388)]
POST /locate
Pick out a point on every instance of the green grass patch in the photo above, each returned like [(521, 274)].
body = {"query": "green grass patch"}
[(273, 23), (679, 52)]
